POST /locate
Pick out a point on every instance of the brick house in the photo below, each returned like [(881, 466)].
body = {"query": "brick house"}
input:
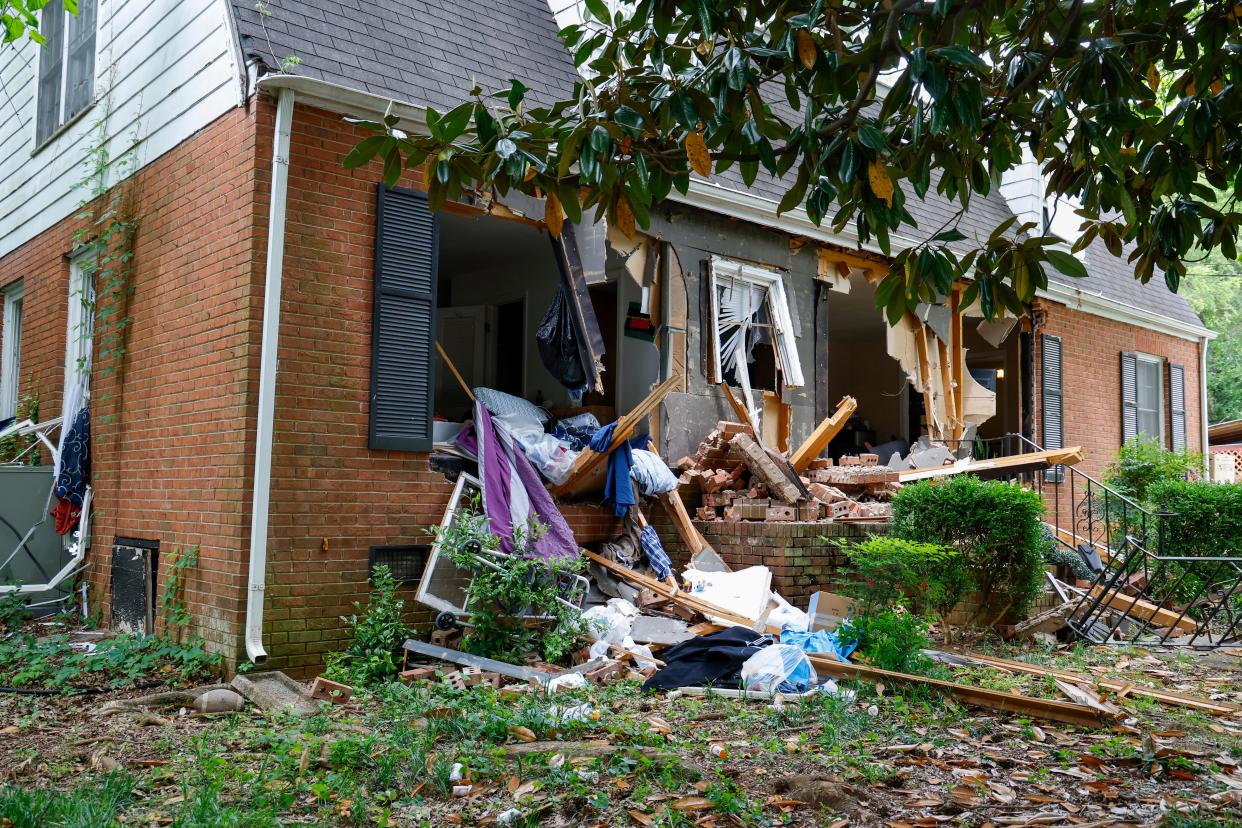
[(273, 403)]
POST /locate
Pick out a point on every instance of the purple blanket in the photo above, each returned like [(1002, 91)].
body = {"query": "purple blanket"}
[(513, 492)]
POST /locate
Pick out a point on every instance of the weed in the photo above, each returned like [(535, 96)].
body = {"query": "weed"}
[(91, 805), (371, 658)]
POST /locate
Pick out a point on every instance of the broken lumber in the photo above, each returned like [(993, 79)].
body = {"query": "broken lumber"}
[(490, 665), (1060, 711), (1000, 466), (1144, 610), (1058, 616), (690, 536), (580, 480), (763, 467), (1215, 708), (736, 405), (828, 428)]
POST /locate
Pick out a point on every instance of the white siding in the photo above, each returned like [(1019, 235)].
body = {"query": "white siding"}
[(164, 69)]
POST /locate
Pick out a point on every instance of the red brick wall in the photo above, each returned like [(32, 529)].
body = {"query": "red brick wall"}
[(170, 444)]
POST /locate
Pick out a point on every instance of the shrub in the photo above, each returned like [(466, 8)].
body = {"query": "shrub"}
[(1143, 461), (995, 526), (891, 639), (1203, 518), (929, 578), (521, 583), (370, 657)]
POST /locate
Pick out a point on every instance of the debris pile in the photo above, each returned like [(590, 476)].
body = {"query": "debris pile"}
[(732, 477)]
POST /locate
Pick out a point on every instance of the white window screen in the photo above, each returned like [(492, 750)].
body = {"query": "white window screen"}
[(11, 350), (1149, 398)]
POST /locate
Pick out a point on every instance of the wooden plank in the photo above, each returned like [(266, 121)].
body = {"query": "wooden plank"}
[(1060, 711), (1144, 610), (823, 434), (1215, 708), (950, 395), (444, 356), (590, 459), (690, 536), (925, 375), (1014, 463), (957, 354), (740, 410)]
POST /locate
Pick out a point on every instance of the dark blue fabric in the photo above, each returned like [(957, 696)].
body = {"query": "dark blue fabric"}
[(656, 556), (75, 460), (617, 488)]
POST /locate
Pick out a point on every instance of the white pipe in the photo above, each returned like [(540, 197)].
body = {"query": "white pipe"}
[(1203, 409), (267, 379)]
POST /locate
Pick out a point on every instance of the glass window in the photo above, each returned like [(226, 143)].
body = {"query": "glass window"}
[(1150, 413), (11, 349), (66, 66)]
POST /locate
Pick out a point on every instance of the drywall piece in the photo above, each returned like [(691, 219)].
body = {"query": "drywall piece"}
[(996, 331), (744, 592), (706, 560), (274, 691), (656, 629), (925, 455)]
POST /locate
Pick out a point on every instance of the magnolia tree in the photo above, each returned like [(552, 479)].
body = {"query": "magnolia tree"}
[(20, 18), (1132, 108)]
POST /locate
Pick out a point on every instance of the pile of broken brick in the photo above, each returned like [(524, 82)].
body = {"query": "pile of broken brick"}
[(733, 477)]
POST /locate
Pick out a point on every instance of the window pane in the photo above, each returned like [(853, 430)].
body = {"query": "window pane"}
[(1149, 398), (80, 82), (51, 63)]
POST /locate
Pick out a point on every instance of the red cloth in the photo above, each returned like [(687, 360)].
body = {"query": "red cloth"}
[(66, 515)]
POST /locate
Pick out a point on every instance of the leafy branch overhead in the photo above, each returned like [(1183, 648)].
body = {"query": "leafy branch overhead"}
[(857, 109)]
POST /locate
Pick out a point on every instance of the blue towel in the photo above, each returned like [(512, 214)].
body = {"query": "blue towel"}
[(617, 488), (656, 556)]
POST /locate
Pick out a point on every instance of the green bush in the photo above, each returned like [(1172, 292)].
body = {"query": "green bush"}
[(1143, 461), (370, 658), (890, 639), (996, 527), (1203, 518), (929, 578)]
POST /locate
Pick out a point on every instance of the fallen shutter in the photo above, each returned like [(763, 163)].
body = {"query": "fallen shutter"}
[(590, 340), (403, 356), (80, 71), (1052, 401), (1129, 396), (1177, 405), (51, 62)]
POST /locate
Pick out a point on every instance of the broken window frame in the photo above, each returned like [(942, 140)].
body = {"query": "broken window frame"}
[(723, 271)]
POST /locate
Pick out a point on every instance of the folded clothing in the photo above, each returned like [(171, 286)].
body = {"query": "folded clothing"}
[(651, 473)]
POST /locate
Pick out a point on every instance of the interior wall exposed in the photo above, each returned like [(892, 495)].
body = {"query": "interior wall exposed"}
[(987, 359), (859, 364), (486, 265)]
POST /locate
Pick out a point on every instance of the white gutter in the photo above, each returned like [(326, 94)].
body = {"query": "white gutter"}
[(1203, 408), (267, 379), (1097, 305)]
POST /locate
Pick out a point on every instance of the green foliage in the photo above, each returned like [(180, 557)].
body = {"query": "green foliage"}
[(995, 526), (1132, 116), (20, 18), (1213, 288), (15, 448), (927, 577), (1143, 461), (173, 611), (1204, 519), (370, 658), (52, 662), (505, 586), (1058, 555), (90, 806), (891, 639), (12, 611)]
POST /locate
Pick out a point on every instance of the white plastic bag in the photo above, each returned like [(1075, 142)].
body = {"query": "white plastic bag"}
[(779, 668)]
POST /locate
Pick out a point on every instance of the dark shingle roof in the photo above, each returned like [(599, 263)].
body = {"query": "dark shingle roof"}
[(430, 52)]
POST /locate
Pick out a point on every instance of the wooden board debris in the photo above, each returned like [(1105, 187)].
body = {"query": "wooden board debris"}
[(1013, 464), (823, 434)]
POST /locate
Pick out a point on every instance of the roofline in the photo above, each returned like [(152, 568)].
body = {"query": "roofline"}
[(714, 198), (1230, 430)]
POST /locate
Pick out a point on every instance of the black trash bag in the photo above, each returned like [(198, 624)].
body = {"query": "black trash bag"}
[(557, 339)]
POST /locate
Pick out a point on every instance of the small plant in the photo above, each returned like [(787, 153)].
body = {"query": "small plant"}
[(21, 449), (926, 577), (891, 639), (996, 526), (377, 631), (504, 587), (12, 611), (173, 609)]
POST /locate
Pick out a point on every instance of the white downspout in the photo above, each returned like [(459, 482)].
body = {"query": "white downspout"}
[(267, 379), (1203, 409)]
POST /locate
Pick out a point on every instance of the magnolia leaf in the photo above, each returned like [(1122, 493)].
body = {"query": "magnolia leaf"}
[(697, 155), (807, 51), (1066, 263)]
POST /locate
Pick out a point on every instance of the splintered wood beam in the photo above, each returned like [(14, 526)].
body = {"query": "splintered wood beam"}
[(1122, 689), (950, 393), (925, 374), (1144, 610), (1013, 464), (590, 459), (676, 509), (823, 434), (1056, 710), (957, 353), (740, 410)]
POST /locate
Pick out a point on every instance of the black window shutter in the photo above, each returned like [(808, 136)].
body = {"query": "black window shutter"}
[(51, 63), (403, 328), (80, 69), (1129, 396), (1177, 405), (1052, 400)]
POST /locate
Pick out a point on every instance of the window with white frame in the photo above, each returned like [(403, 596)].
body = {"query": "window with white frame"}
[(1149, 396), (66, 66), (80, 331), (11, 349)]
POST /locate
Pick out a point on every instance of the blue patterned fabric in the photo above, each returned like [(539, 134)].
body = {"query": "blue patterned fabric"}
[(654, 550), (75, 460)]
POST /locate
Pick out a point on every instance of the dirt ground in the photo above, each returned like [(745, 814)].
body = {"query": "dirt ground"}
[(893, 756)]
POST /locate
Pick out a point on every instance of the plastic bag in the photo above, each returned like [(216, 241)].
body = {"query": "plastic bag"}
[(611, 622), (557, 339), (786, 616), (779, 668)]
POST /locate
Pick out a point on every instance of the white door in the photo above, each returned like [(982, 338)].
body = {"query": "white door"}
[(463, 335)]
